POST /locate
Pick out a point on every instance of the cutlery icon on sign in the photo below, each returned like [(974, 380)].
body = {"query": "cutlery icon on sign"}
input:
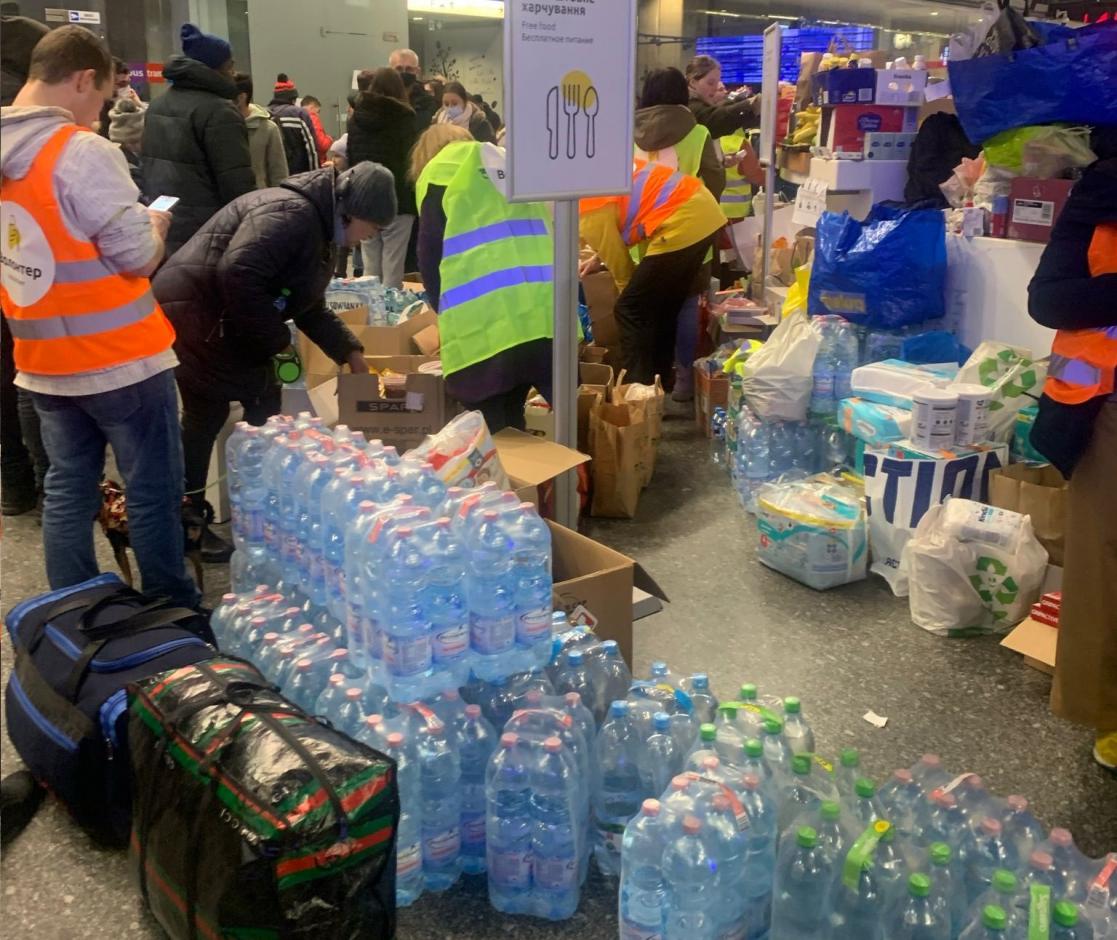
[(571, 105), (553, 122), (591, 105)]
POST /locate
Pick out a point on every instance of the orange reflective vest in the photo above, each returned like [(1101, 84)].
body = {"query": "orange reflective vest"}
[(1084, 362), (67, 310), (657, 192)]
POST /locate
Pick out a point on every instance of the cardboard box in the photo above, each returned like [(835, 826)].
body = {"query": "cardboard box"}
[(710, 391), (595, 584), (844, 126), (1033, 207), (902, 87), (532, 463), (402, 340), (1036, 642), (401, 419), (795, 159), (845, 86)]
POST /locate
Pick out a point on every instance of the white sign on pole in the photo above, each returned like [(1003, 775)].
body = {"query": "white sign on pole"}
[(770, 90), (84, 16), (569, 70)]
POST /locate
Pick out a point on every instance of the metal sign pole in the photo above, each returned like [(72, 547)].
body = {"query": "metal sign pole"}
[(564, 354), (773, 44)]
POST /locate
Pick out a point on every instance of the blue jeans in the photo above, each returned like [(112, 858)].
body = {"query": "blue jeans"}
[(140, 421)]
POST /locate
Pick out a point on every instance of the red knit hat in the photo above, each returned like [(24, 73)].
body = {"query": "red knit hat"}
[(283, 83)]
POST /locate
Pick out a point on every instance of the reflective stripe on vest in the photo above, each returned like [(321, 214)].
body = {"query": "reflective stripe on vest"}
[(641, 220), (67, 310), (1084, 362), (497, 274)]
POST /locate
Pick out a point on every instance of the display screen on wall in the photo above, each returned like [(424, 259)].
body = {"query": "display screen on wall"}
[(741, 57)]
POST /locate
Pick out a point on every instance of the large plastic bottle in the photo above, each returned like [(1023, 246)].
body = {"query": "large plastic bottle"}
[(491, 594), (805, 791), (846, 358), (615, 678), (799, 736), (340, 506), (508, 828), (440, 773), (617, 791), (477, 741), (1100, 906), (918, 917), (531, 578), (822, 400), (1071, 866), (727, 844), (407, 631), (946, 824), (729, 740), (929, 772), (556, 838), (1002, 892), (409, 833), (755, 464), (760, 856), (309, 483), (753, 762), (704, 703), (776, 752), (865, 809), (574, 676), (661, 757), (251, 503), (642, 900), (846, 774), (860, 896), (900, 798), (991, 926), (1066, 923), (781, 447), (444, 601), (975, 799), (800, 901), (947, 892), (691, 877), (1021, 826), (983, 855)]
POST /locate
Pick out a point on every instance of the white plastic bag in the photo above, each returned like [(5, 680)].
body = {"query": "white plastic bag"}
[(973, 568), (1014, 381), (777, 378), (463, 453), (812, 530)]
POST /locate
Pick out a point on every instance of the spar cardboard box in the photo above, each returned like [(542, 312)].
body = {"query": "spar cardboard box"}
[(401, 411), (419, 335), (599, 587)]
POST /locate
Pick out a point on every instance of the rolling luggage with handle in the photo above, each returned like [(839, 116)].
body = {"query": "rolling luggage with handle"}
[(76, 650)]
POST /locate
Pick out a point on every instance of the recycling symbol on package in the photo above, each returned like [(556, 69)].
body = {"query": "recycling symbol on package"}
[(994, 586)]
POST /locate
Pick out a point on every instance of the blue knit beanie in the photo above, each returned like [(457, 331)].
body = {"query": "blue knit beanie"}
[(209, 50)]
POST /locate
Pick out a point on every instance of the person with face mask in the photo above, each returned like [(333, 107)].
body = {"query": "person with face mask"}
[(264, 259), (721, 116), (422, 101), (195, 144), (458, 109)]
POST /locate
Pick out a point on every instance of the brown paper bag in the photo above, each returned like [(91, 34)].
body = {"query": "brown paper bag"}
[(618, 441), (652, 401), (1038, 492)]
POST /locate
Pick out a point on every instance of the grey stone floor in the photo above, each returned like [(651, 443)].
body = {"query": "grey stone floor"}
[(842, 652)]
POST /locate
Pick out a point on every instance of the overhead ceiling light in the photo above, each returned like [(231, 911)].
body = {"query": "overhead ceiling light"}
[(934, 13)]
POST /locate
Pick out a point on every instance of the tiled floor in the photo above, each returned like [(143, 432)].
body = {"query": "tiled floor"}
[(843, 652)]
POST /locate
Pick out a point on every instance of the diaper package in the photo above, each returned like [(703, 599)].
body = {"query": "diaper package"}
[(872, 422), (893, 381)]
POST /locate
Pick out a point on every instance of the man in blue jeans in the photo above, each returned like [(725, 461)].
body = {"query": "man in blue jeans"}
[(92, 346)]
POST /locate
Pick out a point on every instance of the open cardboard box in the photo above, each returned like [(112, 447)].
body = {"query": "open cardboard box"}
[(402, 418), (532, 462), (417, 335), (600, 587), (1036, 641)]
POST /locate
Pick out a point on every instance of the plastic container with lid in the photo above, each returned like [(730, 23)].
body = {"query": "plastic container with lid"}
[(971, 423), (933, 416)]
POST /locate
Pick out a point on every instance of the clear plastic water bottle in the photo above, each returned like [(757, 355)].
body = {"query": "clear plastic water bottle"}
[(409, 833), (643, 893), (800, 903), (729, 740), (753, 762), (617, 791), (975, 799), (702, 698), (1021, 826), (508, 828), (859, 900), (307, 683), (781, 448), (440, 773), (531, 575), (574, 676), (705, 745), (822, 400), (845, 358), (846, 775), (691, 877), (805, 453), (661, 757), (1100, 906), (407, 631), (900, 798), (760, 856), (983, 855), (917, 917), (350, 714), (309, 484), (1067, 924), (929, 772), (947, 891), (776, 752), (1072, 875), (802, 793), (1039, 870), (420, 480), (331, 697), (834, 839), (755, 463), (1002, 892), (865, 808), (556, 836), (799, 736), (491, 595), (833, 449), (991, 925), (477, 741), (946, 824)]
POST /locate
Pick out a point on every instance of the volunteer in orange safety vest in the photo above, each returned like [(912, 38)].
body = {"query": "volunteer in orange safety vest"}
[(671, 218), (1075, 291)]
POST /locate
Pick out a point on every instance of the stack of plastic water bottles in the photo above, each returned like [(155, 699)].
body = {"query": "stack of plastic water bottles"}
[(760, 838)]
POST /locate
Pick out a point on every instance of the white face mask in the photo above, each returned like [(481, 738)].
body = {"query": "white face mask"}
[(455, 112)]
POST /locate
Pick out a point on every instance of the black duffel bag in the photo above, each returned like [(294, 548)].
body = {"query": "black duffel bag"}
[(252, 819), (76, 650)]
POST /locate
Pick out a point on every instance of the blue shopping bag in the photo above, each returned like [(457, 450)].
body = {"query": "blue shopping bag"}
[(886, 272), (1067, 79)]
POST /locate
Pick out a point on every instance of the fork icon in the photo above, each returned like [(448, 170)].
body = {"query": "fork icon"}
[(571, 105)]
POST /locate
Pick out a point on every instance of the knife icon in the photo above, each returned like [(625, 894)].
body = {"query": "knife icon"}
[(553, 122)]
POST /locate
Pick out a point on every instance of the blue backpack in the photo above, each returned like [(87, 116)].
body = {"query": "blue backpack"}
[(76, 650)]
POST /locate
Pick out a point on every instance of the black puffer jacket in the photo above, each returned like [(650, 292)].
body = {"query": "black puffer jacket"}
[(298, 132), (263, 259), (382, 130), (195, 147)]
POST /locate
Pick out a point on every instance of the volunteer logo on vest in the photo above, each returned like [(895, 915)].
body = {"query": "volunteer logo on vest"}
[(26, 261)]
